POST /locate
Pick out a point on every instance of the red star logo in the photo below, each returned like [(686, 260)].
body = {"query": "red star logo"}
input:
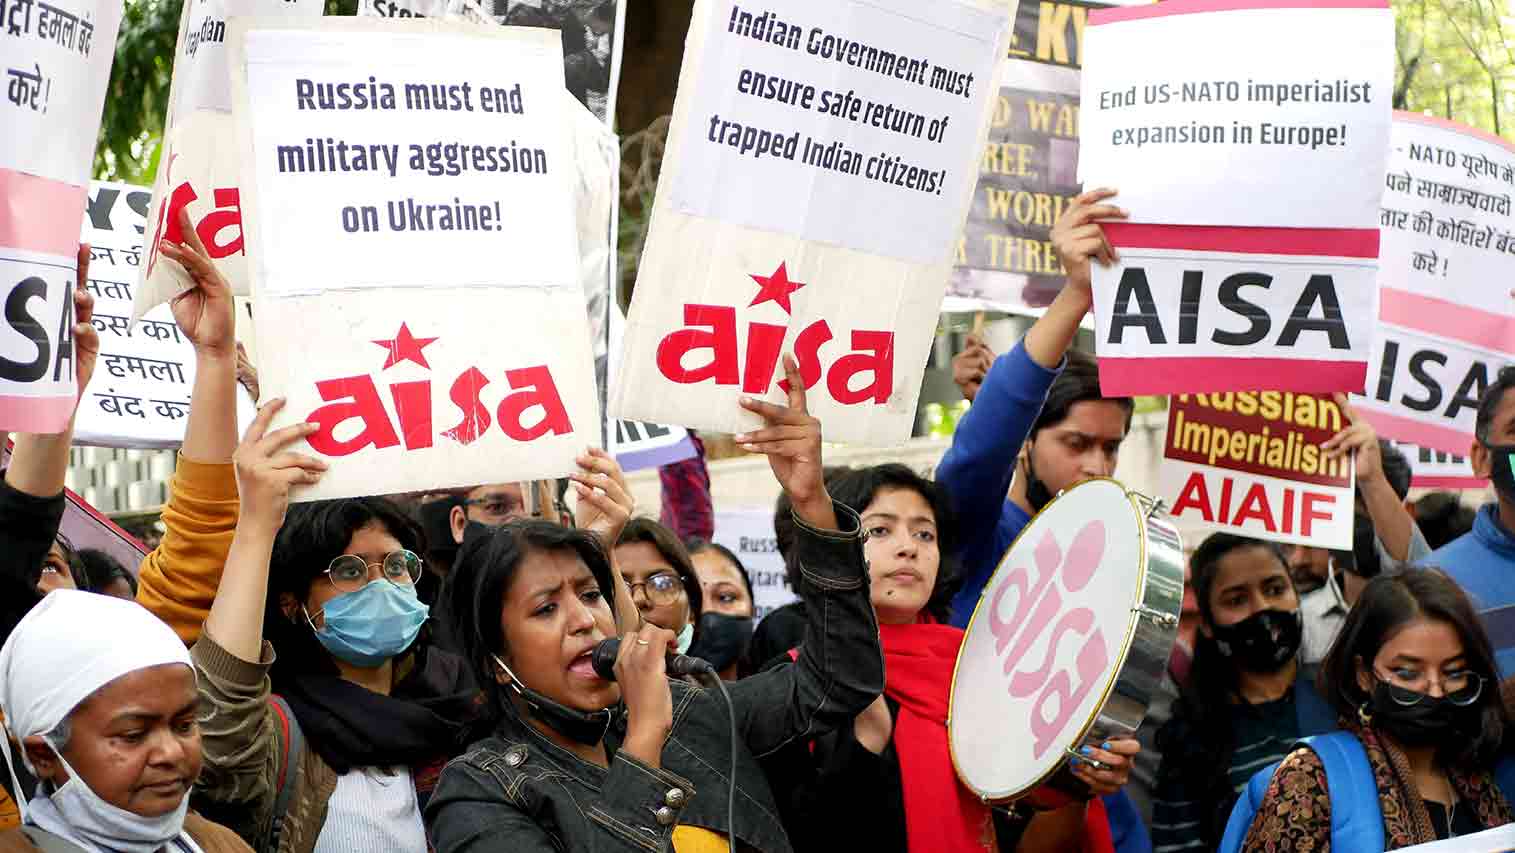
[(405, 347), (775, 288)]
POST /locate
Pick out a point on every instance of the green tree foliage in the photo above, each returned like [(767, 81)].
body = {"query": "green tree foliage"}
[(1455, 60)]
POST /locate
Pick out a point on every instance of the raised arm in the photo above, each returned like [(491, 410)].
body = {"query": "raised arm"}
[(1393, 525), (840, 669), (178, 579), (604, 506)]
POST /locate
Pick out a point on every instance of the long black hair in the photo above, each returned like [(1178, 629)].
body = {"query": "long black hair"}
[(475, 593), (1198, 742), (312, 536), (1389, 603), (857, 489)]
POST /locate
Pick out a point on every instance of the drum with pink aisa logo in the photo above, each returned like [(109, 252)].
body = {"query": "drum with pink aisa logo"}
[(1069, 641)]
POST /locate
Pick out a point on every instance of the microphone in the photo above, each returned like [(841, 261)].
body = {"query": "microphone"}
[(607, 651)]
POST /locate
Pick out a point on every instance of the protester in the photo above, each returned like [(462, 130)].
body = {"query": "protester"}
[(1246, 701), (33, 559), (101, 696), (1483, 560), (1442, 516), (1413, 677), (886, 781), (725, 629), (1309, 567), (661, 579), (1070, 432), (574, 762), (487, 506), (782, 629), (101, 573)]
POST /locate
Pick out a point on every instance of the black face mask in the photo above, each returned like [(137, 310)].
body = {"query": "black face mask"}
[(722, 639), (1432, 721), (585, 727), (476, 530), (1037, 493), (1503, 465), (1263, 642)]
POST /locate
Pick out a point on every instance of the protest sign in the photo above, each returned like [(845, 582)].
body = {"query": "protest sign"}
[(1447, 258), (198, 164), (1437, 469), (1189, 112), (748, 533), (1498, 840), (416, 236), (591, 31), (87, 527), (637, 445), (1251, 464), (818, 172), (56, 57), (1027, 174)]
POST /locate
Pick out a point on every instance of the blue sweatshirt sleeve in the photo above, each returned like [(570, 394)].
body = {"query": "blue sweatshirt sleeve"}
[(978, 466)]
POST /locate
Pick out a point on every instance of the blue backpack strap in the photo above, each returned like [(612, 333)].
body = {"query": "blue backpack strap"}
[(1504, 777), (1314, 715), (1356, 813), (1245, 810)]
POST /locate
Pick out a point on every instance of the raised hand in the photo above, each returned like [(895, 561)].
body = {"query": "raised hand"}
[(970, 366), (1115, 758), (792, 442), (205, 312), (1077, 236), (266, 471), (605, 504), (641, 670), (1357, 438), (86, 337)]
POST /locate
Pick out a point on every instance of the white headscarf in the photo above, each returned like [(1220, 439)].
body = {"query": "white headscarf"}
[(69, 646)]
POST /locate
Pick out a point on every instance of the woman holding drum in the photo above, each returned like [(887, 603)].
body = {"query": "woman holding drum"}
[(1412, 676), (887, 782), (1245, 703)]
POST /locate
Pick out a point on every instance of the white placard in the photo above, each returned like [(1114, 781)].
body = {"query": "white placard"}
[(750, 256), (749, 534), (1445, 326), (1190, 110), (450, 377), (1498, 840), (56, 56), (848, 123), (429, 178)]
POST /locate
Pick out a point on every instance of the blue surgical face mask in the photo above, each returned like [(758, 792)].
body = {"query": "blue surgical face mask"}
[(369, 626)]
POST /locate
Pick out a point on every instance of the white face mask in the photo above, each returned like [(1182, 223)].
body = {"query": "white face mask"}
[(76, 812), (686, 638)]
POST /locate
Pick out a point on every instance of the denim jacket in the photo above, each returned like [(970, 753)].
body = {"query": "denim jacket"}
[(517, 791)]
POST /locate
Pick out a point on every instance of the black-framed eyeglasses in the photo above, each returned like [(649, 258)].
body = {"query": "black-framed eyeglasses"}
[(661, 589), (1461, 689), (349, 572)]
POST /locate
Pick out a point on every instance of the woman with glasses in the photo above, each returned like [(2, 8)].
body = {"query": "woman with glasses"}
[(661, 578), (1412, 676), (338, 739)]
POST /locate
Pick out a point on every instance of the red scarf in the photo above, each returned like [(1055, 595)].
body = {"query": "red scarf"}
[(940, 814)]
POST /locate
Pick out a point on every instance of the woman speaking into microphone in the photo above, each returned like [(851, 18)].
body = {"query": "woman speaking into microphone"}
[(573, 761)]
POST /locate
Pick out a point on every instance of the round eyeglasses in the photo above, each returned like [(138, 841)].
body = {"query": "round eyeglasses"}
[(661, 589), (349, 572), (1461, 689)]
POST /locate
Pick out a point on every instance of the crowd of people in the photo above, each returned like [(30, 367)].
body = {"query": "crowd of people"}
[(430, 671)]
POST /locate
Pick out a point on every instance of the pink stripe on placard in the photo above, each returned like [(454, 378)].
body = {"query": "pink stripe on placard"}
[(1318, 242), (1400, 428), (1455, 127), (39, 215), (1189, 7), (44, 415), (1469, 325), (1127, 377), (1455, 483)]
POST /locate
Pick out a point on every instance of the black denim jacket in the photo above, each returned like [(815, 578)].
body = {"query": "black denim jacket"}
[(517, 791)]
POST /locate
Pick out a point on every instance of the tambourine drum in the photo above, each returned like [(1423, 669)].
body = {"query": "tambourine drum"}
[(1069, 640)]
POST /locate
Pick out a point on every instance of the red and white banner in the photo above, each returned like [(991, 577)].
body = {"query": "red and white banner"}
[(1251, 463), (199, 166), (820, 164), (1236, 272), (1447, 263), (56, 56), (417, 297), (1220, 309), (1437, 469)]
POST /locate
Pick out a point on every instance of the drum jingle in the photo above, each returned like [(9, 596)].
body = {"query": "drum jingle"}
[(1069, 640)]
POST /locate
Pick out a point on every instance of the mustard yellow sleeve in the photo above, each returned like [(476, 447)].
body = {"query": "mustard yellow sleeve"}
[(178, 580), (10, 816)]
